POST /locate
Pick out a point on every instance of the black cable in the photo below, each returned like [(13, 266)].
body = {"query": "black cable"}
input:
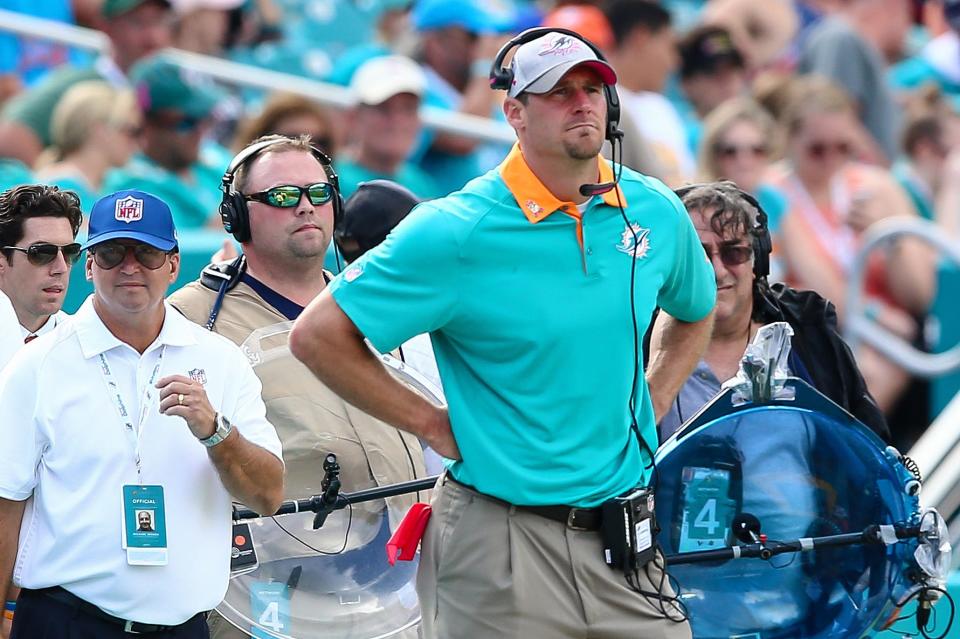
[(346, 535), (918, 594), (912, 467)]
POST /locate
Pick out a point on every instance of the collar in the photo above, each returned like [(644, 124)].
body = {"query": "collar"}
[(95, 338), (534, 199), (288, 308), (52, 322)]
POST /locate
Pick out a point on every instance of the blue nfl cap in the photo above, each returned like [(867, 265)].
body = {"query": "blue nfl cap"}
[(132, 215)]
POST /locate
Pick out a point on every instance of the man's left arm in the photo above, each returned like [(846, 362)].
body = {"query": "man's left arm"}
[(683, 327), (675, 349), (251, 473)]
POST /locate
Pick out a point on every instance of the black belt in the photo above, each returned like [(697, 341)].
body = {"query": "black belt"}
[(133, 627), (573, 518)]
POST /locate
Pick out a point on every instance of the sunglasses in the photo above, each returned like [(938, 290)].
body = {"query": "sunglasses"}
[(42, 253), (111, 254), (288, 195), (728, 151), (731, 254), (819, 150)]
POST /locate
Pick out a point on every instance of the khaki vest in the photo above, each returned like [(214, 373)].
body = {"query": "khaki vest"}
[(310, 419)]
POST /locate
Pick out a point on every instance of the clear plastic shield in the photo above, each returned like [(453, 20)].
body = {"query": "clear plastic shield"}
[(334, 582), (803, 468)]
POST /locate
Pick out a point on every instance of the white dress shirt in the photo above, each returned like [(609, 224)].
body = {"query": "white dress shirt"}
[(10, 343), (66, 450)]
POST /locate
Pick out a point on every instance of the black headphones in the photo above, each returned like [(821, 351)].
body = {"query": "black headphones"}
[(233, 207), (502, 77), (762, 244)]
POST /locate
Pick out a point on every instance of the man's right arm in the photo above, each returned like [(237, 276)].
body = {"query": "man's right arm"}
[(327, 341), (11, 514)]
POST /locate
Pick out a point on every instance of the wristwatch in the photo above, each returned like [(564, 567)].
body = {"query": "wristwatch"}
[(223, 429)]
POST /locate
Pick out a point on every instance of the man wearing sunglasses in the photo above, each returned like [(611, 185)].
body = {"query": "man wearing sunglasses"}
[(38, 227), (128, 407), (727, 225), (288, 198)]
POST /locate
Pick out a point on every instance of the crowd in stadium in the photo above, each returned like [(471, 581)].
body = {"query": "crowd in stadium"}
[(828, 116)]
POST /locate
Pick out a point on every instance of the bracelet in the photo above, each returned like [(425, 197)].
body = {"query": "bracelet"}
[(8, 614), (10, 605)]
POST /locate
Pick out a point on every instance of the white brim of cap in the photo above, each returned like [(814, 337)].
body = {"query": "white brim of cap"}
[(379, 93), (549, 79)]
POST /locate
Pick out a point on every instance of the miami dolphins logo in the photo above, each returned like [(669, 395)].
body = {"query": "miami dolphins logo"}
[(561, 45), (635, 241)]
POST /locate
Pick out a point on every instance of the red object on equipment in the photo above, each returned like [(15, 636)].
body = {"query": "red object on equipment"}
[(403, 543)]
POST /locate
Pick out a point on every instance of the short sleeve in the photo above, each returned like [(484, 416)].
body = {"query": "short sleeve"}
[(406, 285), (19, 432), (690, 290)]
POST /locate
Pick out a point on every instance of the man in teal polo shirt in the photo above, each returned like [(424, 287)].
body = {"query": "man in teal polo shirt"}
[(524, 285)]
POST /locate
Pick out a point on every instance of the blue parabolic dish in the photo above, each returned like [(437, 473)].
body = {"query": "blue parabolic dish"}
[(802, 473)]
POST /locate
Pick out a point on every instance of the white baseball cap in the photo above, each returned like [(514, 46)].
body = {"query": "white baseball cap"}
[(539, 64), (379, 79)]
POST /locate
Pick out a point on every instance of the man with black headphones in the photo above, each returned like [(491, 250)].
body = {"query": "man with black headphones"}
[(733, 230), (534, 282), (281, 201)]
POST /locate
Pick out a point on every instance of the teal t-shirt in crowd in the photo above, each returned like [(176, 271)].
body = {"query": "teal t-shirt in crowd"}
[(352, 174), (193, 202)]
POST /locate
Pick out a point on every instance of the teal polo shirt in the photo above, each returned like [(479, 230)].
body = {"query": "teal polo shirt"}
[(527, 303)]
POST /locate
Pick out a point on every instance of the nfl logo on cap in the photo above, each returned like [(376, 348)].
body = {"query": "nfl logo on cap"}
[(129, 209), (134, 215)]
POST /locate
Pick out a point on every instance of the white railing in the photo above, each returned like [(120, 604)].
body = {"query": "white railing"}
[(233, 73), (859, 328)]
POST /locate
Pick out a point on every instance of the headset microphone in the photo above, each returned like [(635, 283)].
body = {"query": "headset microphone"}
[(589, 190)]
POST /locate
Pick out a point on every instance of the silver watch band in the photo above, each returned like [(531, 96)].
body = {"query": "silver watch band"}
[(223, 429)]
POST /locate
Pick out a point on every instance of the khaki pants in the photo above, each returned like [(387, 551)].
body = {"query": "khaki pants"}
[(488, 569)]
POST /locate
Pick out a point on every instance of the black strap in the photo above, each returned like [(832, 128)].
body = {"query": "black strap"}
[(221, 278)]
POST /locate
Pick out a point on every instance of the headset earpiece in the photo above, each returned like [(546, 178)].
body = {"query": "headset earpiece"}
[(501, 77), (234, 212)]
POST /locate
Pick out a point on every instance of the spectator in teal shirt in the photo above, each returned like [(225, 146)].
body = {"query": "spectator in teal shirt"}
[(177, 164), (384, 126)]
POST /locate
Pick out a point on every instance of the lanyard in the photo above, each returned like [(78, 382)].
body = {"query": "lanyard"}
[(132, 432)]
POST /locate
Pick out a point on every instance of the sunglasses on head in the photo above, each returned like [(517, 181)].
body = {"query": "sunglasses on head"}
[(728, 151), (731, 254), (109, 255), (287, 196), (819, 150), (43, 253)]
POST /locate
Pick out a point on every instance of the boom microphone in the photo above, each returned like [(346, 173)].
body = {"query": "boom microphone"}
[(589, 190)]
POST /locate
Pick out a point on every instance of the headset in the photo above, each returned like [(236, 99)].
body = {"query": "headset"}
[(762, 244), (233, 207), (502, 77)]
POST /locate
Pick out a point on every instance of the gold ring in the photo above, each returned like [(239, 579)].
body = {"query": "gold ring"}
[(180, 398)]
